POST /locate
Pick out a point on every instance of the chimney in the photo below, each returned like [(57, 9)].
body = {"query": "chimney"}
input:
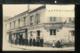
[(28, 7)]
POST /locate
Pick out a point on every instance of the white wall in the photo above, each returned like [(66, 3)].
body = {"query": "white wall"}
[(61, 11), (34, 32), (42, 16), (62, 34)]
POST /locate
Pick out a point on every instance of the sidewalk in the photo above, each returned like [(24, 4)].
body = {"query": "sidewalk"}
[(34, 48)]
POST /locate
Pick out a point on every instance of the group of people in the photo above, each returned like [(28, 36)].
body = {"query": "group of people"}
[(29, 42)]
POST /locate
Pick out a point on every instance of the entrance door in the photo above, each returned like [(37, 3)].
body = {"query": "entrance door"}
[(21, 36), (38, 38), (26, 33)]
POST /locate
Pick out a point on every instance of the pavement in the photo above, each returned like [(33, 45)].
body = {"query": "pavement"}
[(34, 48)]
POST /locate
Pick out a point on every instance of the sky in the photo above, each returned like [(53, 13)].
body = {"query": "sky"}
[(10, 10)]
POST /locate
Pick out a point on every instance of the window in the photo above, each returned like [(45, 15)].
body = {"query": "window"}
[(31, 33), (19, 22), (31, 20), (24, 20), (37, 18), (72, 32), (14, 23), (10, 25), (52, 19), (38, 33), (52, 31), (69, 19)]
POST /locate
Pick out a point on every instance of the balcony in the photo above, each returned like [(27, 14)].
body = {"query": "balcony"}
[(69, 25), (58, 25)]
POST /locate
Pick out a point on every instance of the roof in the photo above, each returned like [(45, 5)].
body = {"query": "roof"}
[(18, 15), (23, 13), (41, 7)]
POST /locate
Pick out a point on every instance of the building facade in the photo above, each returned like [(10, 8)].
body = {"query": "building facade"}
[(43, 25)]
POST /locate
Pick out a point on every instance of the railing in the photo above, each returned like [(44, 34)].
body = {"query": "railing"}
[(53, 25), (59, 24), (69, 25)]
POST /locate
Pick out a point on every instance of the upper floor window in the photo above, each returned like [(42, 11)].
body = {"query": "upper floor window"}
[(31, 18), (37, 18), (71, 20), (19, 22), (14, 23), (24, 20), (31, 23), (72, 32), (31, 33), (52, 19), (10, 25)]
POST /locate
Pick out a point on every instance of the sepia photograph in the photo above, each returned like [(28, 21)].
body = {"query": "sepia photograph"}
[(38, 27)]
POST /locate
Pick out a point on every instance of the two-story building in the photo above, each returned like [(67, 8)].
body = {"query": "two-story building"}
[(47, 23)]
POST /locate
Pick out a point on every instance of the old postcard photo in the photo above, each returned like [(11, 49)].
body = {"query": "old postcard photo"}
[(38, 27)]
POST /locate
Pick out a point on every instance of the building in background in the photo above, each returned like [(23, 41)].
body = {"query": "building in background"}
[(43, 25)]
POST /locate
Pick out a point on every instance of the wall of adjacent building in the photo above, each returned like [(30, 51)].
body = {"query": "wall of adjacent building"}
[(61, 12)]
